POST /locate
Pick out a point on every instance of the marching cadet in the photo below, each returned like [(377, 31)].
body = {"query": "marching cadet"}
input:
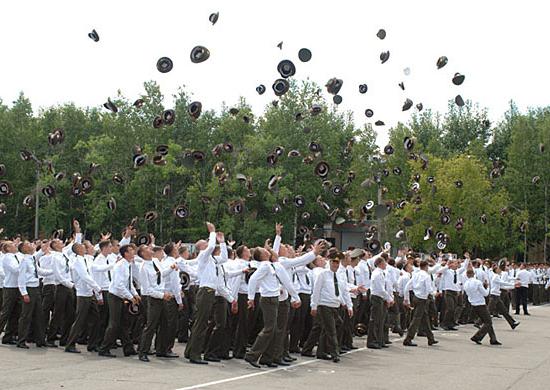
[(451, 288), (329, 293), (29, 287), (495, 303), (153, 276), (121, 290), (11, 297), (88, 296), (102, 269), (422, 287), (476, 295), (380, 299)]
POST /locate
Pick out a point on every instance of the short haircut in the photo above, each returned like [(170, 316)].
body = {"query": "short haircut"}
[(124, 249), (140, 250), (379, 261), (470, 273), (257, 255), (183, 249), (424, 264), (168, 248), (240, 250), (103, 244), (20, 246)]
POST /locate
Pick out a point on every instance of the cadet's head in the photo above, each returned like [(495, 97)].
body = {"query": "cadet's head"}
[(334, 258), (380, 263), (243, 252), (127, 252), (79, 249), (145, 252), (105, 247), (201, 245), (470, 273)]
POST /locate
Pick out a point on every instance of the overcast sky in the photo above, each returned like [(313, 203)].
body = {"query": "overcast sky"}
[(501, 47)]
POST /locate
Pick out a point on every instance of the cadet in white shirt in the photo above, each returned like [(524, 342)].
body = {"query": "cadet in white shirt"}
[(422, 287), (380, 299), (523, 279), (49, 284), (29, 287), (495, 304), (88, 296), (476, 296), (329, 293), (241, 337), (451, 288), (102, 269), (121, 291), (153, 277), (11, 305)]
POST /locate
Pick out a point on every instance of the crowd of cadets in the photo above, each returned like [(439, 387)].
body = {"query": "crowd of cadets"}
[(260, 304)]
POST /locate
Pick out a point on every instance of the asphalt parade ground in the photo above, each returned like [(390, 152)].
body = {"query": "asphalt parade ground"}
[(522, 362)]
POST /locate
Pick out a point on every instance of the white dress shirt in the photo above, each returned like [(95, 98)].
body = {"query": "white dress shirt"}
[(2, 275), (29, 273), (102, 268), (378, 285), (61, 267), (448, 277), (122, 285), (11, 269), (497, 283), (208, 271), (324, 292), (524, 277), (269, 276), (420, 284), (475, 291), (47, 262), (402, 283), (152, 276), (84, 284), (172, 284)]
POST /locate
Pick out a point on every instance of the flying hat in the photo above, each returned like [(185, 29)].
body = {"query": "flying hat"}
[(430, 179), (139, 160), (381, 34), (415, 186), (273, 181), (168, 117), (286, 69), (397, 171), (25, 155), (458, 78), (143, 239), (277, 208), (279, 150), (441, 245), (194, 109), (369, 113), (458, 184), (280, 87), (408, 143), (28, 201), (294, 153), (483, 219), (523, 226), (334, 85), (167, 190), (158, 122), (337, 190), (271, 159), (441, 62), (402, 86), (218, 169), (445, 219), (384, 56), (535, 179), (373, 246), (459, 101), (133, 309), (236, 207), (139, 103), (428, 233), (379, 123), (337, 99), (299, 201), (440, 236), (315, 109), (260, 89), (5, 188), (199, 54), (388, 149), (57, 234), (164, 65), (419, 106), (401, 204), (459, 224), (322, 169), (162, 149), (351, 176), (304, 54), (302, 230), (326, 184), (76, 191), (367, 207), (213, 18), (400, 234), (48, 191), (315, 147), (408, 104), (118, 179), (363, 88), (181, 211), (94, 36), (280, 45), (151, 216), (305, 215), (111, 204), (541, 147), (110, 106)]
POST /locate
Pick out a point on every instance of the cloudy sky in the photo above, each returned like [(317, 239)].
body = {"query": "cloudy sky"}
[(499, 45)]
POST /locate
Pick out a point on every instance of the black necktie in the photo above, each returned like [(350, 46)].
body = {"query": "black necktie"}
[(432, 277), (16, 258), (66, 264), (157, 271), (35, 267), (454, 278), (336, 289), (223, 273), (108, 271), (277, 276), (347, 275), (370, 271), (216, 262)]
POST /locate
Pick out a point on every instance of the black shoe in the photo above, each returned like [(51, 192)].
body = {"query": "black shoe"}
[(451, 328), (183, 340), (143, 357), (477, 326), (168, 355), (92, 349), (281, 363), (9, 342), (130, 353), (251, 362), (515, 324), (384, 346), (344, 349), (433, 342), (51, 344), (198, 361), (407, 343), (307, 354), (435, 328), (238, 356), (373, 346), (526, 314), (212, 359), (72, 350), (290, 358), (324, 356), (335, 359), (269, 365), (388, 342), (351, 347), (62, 343), (22, 345), (294, 350), (106, 353), (478, 342), (496, 342), (421, 334)]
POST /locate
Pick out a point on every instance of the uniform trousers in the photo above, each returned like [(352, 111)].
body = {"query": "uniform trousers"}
[(205, 301), (87, 317), (497, 306), (420, 320), (118, 325), (297, 323), (156, 325), (450, 297), (328, 318), (11, 310), (48, 303), (31, 318), (376, 322), (215, 345), (521, 299), (241, 332), (263, 347), (63, 314), (487, 323)]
